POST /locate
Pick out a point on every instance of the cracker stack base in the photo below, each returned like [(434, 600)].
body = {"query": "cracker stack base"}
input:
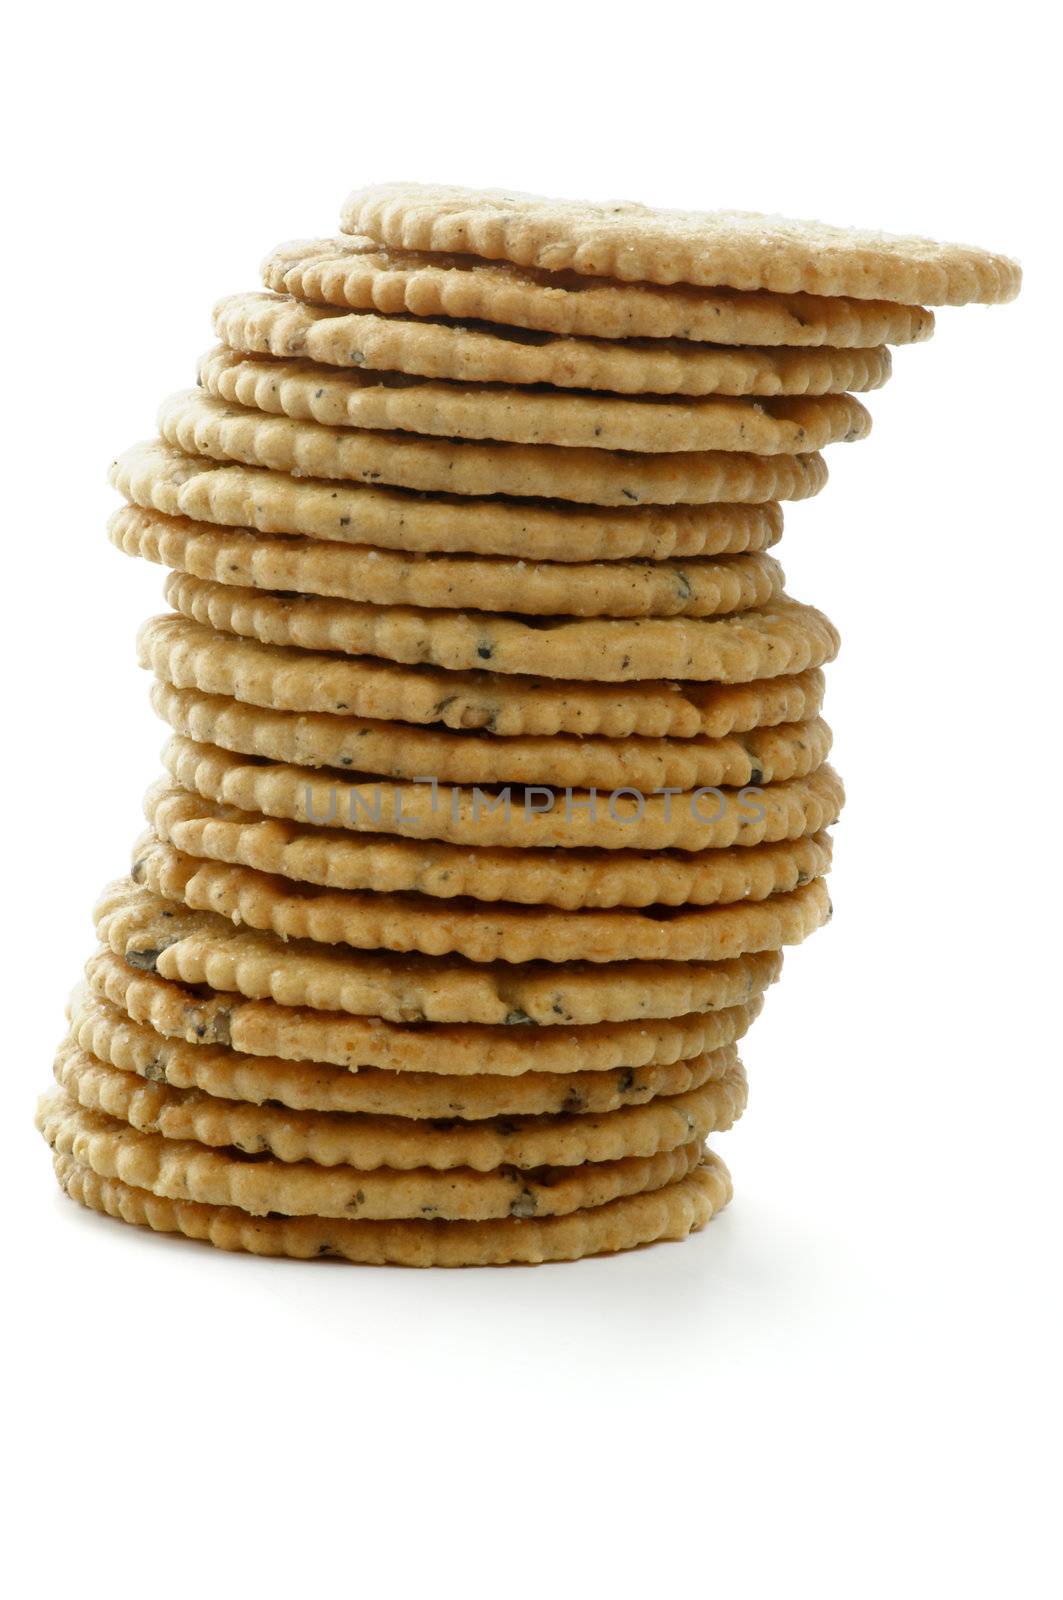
[(497, 780)]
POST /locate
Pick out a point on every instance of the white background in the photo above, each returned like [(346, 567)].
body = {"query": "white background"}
[(847, 1385)]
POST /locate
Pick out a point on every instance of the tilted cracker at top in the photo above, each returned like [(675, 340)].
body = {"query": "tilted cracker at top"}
[(634, 243)]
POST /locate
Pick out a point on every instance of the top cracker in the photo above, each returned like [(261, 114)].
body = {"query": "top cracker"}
[(634, 243)]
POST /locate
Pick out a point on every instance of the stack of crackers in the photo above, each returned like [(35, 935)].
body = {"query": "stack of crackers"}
[(497, 779)]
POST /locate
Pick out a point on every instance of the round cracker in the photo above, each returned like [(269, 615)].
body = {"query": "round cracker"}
[(359, 275), (636, 243), (280, 327), (424, 579), (400, 1143), (378, 866), (451, 1053), (391, 1099), (535, 818), (413, 924), (782, 640), (785, 467), (183, 1170), (157, 476), (671, 1212), (352, 744), (155, 934)]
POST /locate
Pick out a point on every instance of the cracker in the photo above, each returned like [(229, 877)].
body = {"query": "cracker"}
[(782, 640), (766, 755), (414, 924), (367, 576), (355, 273), (671, 1212), (464, 816), (391, 1098), (261, 1028), (180, 1170), (527, 419), (400, 1143), (155, 475), (189, 652), (154, 934), (380, 866), (635, 243), (201, 424), (280, 327)]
